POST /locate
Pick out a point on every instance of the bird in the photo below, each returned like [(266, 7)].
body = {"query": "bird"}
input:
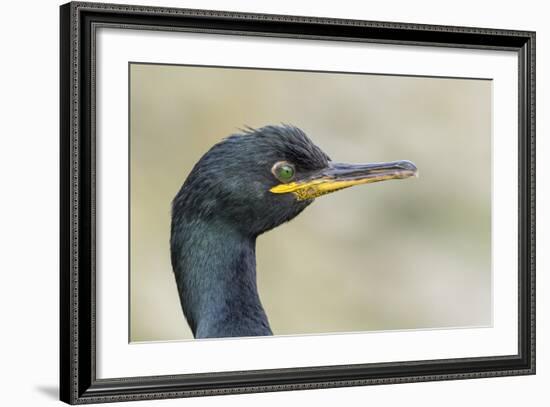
[(246, 185)]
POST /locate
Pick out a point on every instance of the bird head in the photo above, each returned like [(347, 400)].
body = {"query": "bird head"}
[(262, 178)]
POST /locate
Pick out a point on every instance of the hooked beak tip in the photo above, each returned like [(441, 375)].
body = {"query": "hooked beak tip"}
[(408, 166)]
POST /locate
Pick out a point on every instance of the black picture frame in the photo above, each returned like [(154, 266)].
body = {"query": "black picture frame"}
[(78, 382)]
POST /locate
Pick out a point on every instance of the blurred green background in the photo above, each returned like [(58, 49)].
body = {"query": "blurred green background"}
[(408, 254)]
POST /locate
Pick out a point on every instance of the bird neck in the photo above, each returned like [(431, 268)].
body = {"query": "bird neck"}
[(215, 268)]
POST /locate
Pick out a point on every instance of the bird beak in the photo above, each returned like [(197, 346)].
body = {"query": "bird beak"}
[(339, 176)]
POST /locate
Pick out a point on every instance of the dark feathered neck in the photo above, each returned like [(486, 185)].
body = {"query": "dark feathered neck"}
[(215, 268)]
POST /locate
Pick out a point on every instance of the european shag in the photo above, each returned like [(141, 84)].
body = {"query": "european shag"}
[(243, 186)]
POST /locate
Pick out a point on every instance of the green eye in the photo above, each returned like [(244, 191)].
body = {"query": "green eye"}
[(283, 171)]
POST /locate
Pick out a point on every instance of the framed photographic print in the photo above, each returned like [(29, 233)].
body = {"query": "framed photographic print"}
[(256, 203)]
